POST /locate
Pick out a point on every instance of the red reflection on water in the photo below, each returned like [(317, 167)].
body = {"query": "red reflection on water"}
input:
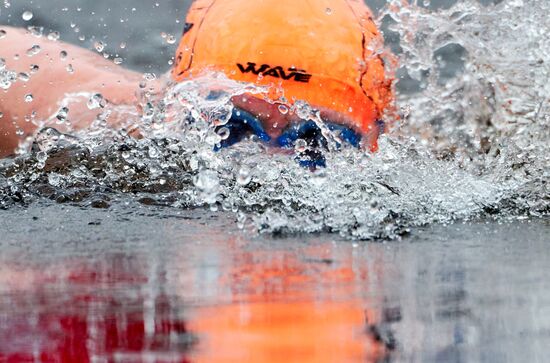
[(262, 306), (89, 312)]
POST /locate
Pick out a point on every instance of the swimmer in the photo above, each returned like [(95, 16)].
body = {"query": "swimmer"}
[(327, 53)]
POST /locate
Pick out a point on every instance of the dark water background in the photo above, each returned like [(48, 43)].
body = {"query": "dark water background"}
[(138, 283)]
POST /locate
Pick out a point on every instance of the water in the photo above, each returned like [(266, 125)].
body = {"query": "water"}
[(103, 285), (246, 240)]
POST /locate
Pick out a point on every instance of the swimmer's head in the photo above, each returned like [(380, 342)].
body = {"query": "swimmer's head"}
[(324, 52)]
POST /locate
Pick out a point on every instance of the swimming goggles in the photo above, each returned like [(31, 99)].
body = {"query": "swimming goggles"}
[(243, 124)]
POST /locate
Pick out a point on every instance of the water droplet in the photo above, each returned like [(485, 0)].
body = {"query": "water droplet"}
[(99, 46), (224, 133), (34, 50), (1, 115), (70, 68), (7, 79), (34, 68), (36, 31), (300, 146), (241, 219), (41, 156), (243, 176), (2, 33), (149, 76), (63, 55), (2, 63), (171, 39), (27, 15), (208, 182), (24, 77), (283, 109), (54, 36), (117, 60), (62, 115), (122, 45), (55, 179), (29, 98), (328, 11)]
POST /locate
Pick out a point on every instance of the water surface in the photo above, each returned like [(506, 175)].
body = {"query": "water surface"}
[(165, 286)]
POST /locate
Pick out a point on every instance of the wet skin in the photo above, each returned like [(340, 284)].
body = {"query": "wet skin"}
[(50, 84), (90, 73)]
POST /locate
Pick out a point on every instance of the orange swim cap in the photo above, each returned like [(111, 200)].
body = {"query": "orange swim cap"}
[(325, 52)]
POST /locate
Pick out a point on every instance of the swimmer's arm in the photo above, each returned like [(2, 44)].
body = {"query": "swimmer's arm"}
[(52, 82)]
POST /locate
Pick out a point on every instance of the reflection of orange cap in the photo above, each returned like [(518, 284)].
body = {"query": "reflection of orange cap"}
[(320, 51)]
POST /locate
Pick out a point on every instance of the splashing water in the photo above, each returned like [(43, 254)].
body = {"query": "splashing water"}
[(494, 118), (472, 144)]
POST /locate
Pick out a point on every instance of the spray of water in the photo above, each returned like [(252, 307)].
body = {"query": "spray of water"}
[(471, 143)]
